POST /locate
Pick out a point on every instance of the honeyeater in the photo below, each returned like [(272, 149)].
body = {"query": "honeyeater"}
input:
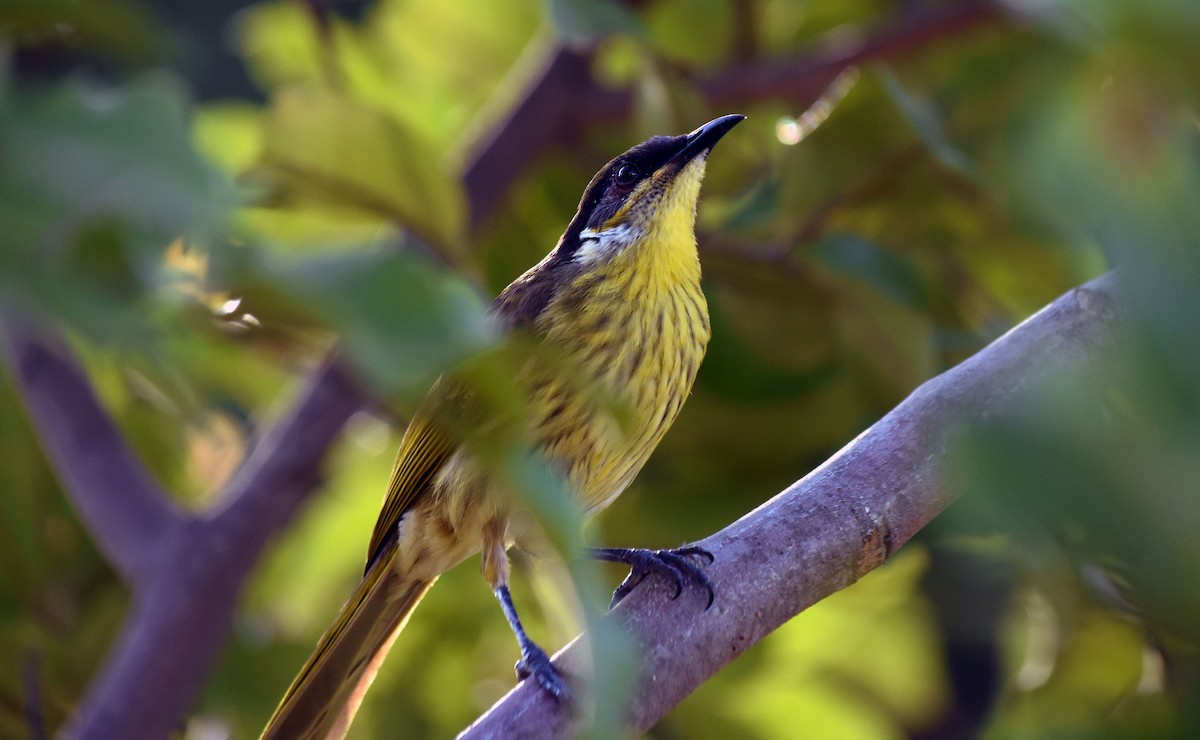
[(618, 301)]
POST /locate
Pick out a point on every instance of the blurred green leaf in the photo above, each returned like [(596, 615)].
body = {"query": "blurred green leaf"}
[(330, 150), (400, 320), (399, 59), (925, 121), (116, 28), (231, 135), (581, 22), (890, 274), (1074, 123), (1119, 161), (95, 184)]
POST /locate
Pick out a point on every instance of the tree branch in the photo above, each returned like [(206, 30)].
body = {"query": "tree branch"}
[(187, 572), (564, 100), (543, 120), (827, 530), (277, 476), (803, 78), (152, 675), (123, 507)]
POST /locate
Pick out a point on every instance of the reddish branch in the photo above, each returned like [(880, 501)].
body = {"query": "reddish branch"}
[(565, 101), (828, 530), (186, 571), (802, 79), (181, 614)]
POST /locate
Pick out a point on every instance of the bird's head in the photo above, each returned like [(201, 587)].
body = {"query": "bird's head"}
[(650, 190), (647, 197)]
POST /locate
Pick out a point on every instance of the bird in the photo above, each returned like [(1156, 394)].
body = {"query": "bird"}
[(618, 302)]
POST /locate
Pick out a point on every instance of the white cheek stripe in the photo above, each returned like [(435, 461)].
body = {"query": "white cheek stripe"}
[(596, 245)]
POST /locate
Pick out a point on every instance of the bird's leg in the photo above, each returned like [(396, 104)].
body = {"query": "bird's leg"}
[(534, 661), (677, 566)]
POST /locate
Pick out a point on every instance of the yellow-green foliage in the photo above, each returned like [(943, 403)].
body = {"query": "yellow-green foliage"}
[(203, 253)]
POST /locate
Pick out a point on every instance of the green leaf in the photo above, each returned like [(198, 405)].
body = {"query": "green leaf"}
[(401, 321), (581, 22), (95, 183), (335, 152), (925, 120), (117, 28), (892, 275)]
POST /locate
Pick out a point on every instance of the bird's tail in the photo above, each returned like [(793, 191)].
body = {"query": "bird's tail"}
[(323, 698)]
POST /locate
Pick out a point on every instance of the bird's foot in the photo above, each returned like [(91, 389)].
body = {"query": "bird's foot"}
[(534, 662), (677, 566)]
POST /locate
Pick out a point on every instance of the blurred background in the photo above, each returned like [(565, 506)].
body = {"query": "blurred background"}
[(203, 197)]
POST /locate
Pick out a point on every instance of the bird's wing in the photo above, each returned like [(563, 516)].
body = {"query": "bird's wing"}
[(423, 451)]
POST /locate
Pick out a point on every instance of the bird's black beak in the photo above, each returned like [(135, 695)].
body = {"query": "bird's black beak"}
[(702, 140)]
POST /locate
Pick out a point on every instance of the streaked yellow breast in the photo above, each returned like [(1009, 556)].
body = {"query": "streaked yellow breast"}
[(636, 328)]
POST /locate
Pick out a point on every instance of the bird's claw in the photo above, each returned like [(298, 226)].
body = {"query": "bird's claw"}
[(534, 662), (675, 565)]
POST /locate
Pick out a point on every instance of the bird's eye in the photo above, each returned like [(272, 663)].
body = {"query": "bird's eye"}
[(628, 174)]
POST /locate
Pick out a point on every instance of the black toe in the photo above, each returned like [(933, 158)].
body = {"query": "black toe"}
[(534, 662), (677, 566)]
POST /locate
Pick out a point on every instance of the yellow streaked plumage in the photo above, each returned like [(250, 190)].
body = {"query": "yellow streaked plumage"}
[(619, 301)]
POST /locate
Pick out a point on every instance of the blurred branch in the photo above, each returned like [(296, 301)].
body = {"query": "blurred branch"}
[(564, 100), (803, 78), (182, 615), (126, 512), (746, 19), (543, 120), (779, 252), (186, 572), (31, 679), (827, 530), (881, 181), (280, 472)]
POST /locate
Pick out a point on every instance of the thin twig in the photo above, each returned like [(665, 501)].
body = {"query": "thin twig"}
[(31, 680), (565, 101), (803, 78), (880, 181)]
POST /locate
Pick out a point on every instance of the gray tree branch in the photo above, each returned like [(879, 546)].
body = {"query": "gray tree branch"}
[(120, 502), (187, 571), (182, 612), (827, 530)]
